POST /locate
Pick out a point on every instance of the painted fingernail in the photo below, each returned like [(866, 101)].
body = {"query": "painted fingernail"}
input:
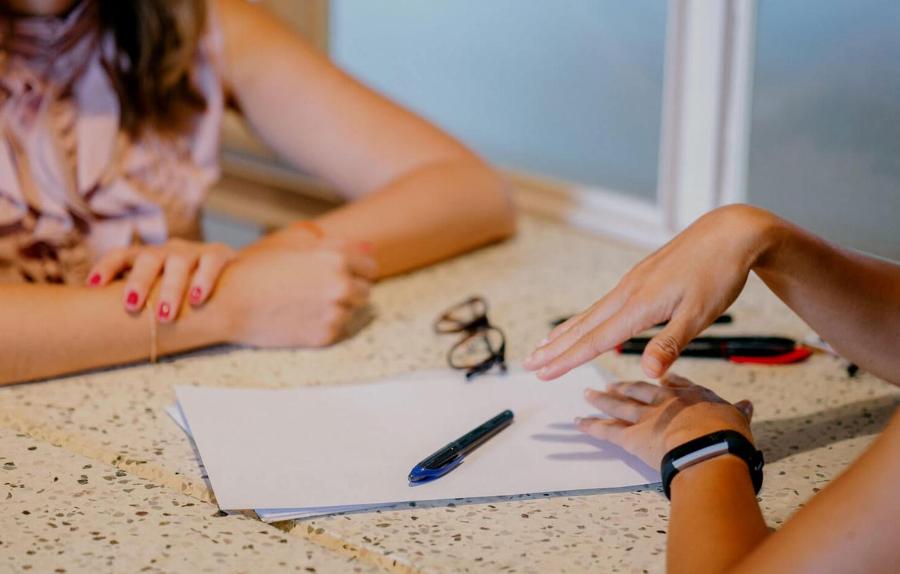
[(164, 310), (132, 299), (95, 279), (196, 294)]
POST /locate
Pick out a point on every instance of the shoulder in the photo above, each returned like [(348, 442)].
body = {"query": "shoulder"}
[(249, 32)]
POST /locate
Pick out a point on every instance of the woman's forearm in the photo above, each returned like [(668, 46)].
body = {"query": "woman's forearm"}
[(715, 520), (49, 330), (430, 214), (850, 299)]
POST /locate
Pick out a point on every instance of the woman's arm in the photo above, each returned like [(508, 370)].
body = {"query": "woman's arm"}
[(48, 330), (716, 525), (272, 297), (419, 196), (851, 526), (850, 299)]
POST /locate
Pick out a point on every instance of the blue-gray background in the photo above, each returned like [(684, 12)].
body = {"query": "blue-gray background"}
[(573, 89)]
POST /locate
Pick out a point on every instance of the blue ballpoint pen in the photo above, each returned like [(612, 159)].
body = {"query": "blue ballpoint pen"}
[(452, 455)]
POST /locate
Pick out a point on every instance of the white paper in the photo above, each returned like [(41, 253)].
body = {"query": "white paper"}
[(274, 514), (352, 446)]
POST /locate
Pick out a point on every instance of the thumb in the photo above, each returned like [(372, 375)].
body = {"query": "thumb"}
[(746, 408), (664, 348)]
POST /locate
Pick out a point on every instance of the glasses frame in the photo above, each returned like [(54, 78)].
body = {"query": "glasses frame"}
[(478, 326)]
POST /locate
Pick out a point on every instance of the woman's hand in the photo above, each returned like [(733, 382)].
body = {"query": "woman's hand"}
[(650, 420), (688, 282), (295, 297), (181, 267)]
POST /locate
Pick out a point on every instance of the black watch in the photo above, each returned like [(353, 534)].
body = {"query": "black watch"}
[(710, 446)]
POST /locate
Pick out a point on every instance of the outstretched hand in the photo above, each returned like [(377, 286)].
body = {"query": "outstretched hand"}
[(688, 282)]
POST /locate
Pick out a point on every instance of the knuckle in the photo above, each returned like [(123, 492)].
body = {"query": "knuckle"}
[(176, 243), (666, 345), (342, 288), (595, 341)]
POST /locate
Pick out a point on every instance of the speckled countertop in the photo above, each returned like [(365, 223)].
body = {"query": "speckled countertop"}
[(95, 477)]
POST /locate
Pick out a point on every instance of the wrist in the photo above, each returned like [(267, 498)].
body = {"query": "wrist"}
[(710, 447), (703, 419), (218, 315), (769, 233)]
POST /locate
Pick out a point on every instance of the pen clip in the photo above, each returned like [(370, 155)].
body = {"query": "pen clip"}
[(799, 354)]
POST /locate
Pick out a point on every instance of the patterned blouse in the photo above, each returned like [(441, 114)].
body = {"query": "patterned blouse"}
[(73, 185)]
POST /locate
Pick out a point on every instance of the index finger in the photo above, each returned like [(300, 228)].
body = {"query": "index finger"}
[(595, 342)]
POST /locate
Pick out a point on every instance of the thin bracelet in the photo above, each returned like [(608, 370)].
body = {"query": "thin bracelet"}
[(154, 351), (309, 226)]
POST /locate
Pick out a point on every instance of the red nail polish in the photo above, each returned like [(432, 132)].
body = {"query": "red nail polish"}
[(164, 310), (196, 294), (95, 279), (132, 299)]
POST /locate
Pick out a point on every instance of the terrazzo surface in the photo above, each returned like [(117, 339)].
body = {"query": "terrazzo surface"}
[(811, 421)]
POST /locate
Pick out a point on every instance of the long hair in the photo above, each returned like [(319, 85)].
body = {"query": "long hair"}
[(157, 42)]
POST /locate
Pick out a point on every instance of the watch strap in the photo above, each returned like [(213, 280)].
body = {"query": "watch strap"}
[(711, 446)]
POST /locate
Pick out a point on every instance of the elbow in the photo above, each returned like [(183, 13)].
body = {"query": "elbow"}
[(497, 205)]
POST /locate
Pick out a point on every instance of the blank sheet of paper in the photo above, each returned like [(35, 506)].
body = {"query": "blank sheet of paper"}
[(354, 445)]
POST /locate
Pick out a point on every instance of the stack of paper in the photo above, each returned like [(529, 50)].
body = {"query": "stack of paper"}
[(319, 450)]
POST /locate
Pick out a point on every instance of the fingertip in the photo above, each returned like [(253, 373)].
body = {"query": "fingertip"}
[(197, 296), (164, 312), (652, 366), (132, 299), (531, 361), (94, 279), (545, 374)]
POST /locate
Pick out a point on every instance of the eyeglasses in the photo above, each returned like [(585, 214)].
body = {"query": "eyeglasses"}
[(482, 347)]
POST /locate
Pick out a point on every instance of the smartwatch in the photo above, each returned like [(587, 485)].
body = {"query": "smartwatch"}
[(710, 446)]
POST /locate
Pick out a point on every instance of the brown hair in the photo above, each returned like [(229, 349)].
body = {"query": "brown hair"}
[(157, 41)]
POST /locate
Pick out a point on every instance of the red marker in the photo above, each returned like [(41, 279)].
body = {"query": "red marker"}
[(759, 350)]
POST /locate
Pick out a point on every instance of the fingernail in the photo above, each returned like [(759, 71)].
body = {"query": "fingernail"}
[(132, 299), (587, 393), (95, 279), (196, 294), (164, 310), (543, 372), (578, 421), (653, 366), (529, 360), (367, 247)]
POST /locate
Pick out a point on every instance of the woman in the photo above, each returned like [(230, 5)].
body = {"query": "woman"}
[(110, 113), (851, 300)]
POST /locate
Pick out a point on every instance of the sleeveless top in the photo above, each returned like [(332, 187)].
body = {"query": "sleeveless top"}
[(73, 185)]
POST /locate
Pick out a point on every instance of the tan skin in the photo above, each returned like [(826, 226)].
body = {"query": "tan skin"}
[(851, 300), (416, 196)]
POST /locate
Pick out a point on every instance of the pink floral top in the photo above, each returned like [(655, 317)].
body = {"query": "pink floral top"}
[(73, 185)]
